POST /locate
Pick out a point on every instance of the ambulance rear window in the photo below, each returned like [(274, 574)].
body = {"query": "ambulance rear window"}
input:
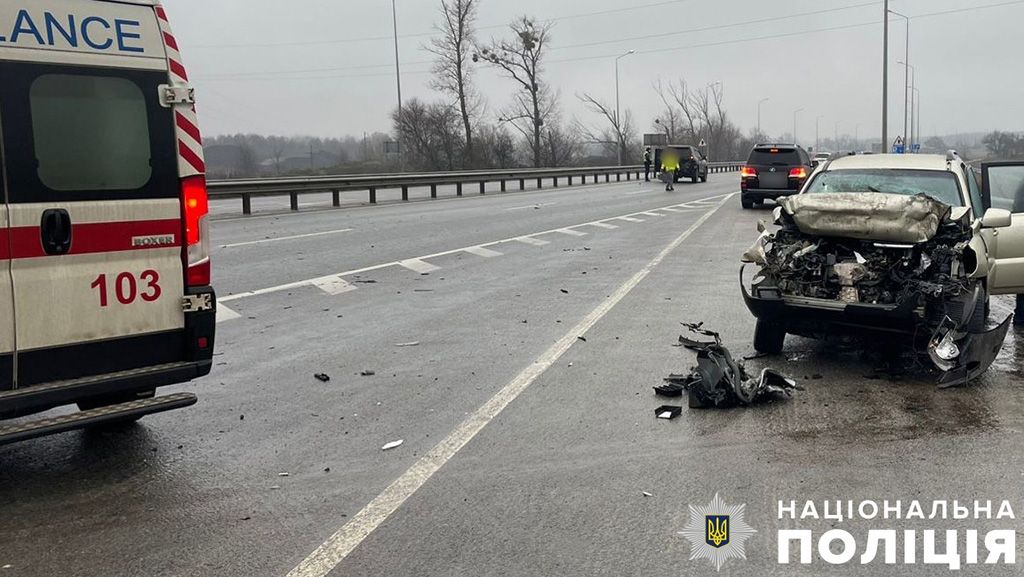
[(90, 133)]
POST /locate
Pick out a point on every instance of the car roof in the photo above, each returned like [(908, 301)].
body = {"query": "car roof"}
[(897, 161)]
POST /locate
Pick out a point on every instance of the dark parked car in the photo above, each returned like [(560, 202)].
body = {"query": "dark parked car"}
[(773, 170), (683, 160)]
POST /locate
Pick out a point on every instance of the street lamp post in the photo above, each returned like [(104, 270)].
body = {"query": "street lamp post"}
[(618, 123), (906, 76), (398, 69), (795, 113), (835, 138), (817, 131), (759, 103), (885, 77), (912, 75), (856, 136), (915, 110)]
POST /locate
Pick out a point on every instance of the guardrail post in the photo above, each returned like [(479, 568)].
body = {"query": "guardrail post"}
[(629, 175), (483, 187), (373, 195), (607, 177), (458, 189), (618, 177), (294, 200), (246, 204), (522, 184), (554, 180), (335, 198), (540, 184), (570, 181), (502, 185), (405, 192), (433, 191)]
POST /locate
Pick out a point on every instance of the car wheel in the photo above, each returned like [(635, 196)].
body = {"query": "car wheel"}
[(746, 202), (704, 178), (694, 179), (769, 338)]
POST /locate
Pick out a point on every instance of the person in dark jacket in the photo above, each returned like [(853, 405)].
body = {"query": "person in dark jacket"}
[(647, 164)]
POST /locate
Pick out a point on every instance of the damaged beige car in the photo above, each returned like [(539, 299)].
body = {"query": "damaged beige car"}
[(904, 245)]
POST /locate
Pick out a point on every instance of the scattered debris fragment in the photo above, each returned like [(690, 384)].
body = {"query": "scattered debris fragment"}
[(322, 377), (646, 494), (392, 445), (720, 381), (565, 292), (668, 412), (584, 339), (368, 373), (284, 474), (412, 344)]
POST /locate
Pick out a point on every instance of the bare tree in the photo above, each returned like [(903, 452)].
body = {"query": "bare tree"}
[(561, 147), (452, 74), (430, 135), (521, 59), (620, 137), (670, 121)]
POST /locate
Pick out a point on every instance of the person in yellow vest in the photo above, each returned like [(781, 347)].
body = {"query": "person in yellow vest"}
[(670, 163)]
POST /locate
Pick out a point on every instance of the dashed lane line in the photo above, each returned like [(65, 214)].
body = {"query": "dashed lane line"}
[(419, 266), (483, 252), (314, 281), (338, 546), (570, 232), (298, 236), (532, 241), (603, 225)]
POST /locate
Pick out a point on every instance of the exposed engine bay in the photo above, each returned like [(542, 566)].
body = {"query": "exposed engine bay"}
[(871, 260)]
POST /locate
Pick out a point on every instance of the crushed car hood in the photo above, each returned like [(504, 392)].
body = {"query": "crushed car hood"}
[(872, 216)]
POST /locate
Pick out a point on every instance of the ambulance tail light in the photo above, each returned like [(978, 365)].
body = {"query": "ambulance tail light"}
[(197, 231)]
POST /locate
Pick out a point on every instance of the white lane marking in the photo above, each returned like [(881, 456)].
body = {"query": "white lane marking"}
[(532, 206), (418, 265), (338, 546), (672, 209), (266, 240), (483, 252), (604, 225), (532, 241), (570, 232), (224, 314), (334, 285), (650, 214), (376, 267), (630, 219)]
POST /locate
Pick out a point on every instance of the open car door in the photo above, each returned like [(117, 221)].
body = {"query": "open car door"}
[(1003, 188)]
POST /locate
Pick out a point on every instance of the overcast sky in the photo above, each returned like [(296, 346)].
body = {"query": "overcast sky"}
[(326, 67)]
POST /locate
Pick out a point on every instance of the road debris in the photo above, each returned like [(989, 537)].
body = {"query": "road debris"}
[(322, 377), (367, 373), (646, 494), (720, 381), (284, 474), (392, 445), (412, 344), (668, 412)]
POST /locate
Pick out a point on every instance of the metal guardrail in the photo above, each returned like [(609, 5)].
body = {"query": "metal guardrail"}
[(295, 187)]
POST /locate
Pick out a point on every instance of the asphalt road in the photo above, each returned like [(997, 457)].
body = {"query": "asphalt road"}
[(526, 450)]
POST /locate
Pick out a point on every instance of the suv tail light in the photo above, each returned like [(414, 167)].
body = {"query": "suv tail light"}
[(197, 231), (748, 172), (800, 172)]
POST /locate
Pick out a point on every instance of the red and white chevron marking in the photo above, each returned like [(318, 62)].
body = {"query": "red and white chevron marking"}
[(190, 141)]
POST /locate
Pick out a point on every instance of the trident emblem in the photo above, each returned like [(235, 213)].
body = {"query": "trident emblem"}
[(717, 531)]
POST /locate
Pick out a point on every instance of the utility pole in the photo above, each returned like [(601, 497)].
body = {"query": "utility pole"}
[(906, 77), (398, 69), (759, 103), (835, 139), (885, 80), (915, 110), (817, 132), (618, 123), (711, 125), (795, 113)]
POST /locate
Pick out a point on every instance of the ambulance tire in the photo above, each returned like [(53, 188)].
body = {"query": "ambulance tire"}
[(116, 400)]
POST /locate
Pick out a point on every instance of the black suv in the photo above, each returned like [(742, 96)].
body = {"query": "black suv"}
[(683, 160), (773, 170)]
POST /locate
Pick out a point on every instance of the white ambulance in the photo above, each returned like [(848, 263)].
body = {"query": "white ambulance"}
[(104, 266)]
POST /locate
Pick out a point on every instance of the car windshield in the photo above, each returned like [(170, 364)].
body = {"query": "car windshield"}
[(941, 186)]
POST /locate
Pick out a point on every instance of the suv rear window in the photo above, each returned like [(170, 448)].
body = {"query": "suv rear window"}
[(90, 133), (775, 157)]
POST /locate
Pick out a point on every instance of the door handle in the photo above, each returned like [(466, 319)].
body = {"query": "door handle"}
[(55, 230)]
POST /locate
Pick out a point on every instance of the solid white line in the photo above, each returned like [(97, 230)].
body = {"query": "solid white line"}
[(224, 314), (630, 219), (483, 252), (334, 286), (532, 206), (650, 214), (604, 225), (532, 241), (417, 265), (327, 556), (570, 232), (265, 240), (376, 267)]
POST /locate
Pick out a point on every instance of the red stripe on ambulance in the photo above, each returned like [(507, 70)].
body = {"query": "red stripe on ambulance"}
[(189, 128), (99, 237)]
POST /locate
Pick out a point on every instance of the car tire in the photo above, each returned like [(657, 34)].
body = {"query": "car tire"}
[(769, 338), (108, 400), (704, 178), (746, 202), (694, 179)]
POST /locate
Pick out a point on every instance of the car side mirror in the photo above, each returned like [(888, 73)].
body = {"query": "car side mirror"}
[(814, 164), (996, 218)]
